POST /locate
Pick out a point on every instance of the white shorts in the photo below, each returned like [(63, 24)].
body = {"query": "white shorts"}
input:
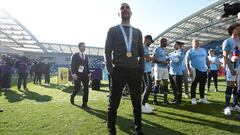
[(160, 73)]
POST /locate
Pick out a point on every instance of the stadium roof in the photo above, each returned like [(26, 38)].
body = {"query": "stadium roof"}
[(205, 25), (14, 37)]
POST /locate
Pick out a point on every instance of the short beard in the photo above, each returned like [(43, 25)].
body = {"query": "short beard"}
[(125, 18)]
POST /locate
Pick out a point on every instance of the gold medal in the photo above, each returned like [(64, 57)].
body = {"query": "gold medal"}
[(129, 54)]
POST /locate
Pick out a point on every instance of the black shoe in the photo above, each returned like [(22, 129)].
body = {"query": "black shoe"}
[(1, 110), (72, 100), (165, 103), (174, 101), (155, 102), (85, 106)]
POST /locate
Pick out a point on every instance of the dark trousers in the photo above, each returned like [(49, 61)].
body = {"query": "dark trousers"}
[(109, 82), (39, 78), (22, 79), (201, 79), (77, 84), (185, 81), (213, 74), (6, 80), (47, 78), (147, 80), (121, 76), (176, 83), (34, 78)]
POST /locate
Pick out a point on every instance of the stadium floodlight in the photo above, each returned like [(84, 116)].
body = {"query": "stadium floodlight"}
[(232, 9)]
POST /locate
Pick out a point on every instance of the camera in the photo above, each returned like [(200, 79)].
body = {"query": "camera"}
[(232, 9)]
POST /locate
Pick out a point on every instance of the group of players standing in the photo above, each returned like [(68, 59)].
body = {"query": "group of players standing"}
[(194, 65)]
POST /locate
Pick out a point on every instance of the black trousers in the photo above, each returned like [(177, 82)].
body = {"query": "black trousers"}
[(38, 79), (147, 81), (121, 76), (22, 79), (34, 78), (109, 82), (200, 78), (213, 74), (47, 78), (6, 80), (77, 84), (176, 83)]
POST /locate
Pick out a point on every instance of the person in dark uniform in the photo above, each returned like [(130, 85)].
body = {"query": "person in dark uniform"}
[(39, 71), (47, 67), (125, 63), (33, 69), (80, 74), (21, 65), (6, 72)]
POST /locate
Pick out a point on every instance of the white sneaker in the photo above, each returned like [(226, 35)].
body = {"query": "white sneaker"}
[(149, 107), (227, 111), (146, 110), (236, 108), (194, 101), (26, 89), (204, 101)]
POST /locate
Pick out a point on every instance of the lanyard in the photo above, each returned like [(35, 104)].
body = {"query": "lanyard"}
[(129, 43)]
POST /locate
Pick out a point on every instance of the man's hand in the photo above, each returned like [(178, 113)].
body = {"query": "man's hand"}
[(74, 76)]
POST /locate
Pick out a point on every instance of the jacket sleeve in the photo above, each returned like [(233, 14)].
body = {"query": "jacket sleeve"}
[(73, 64), (108, 51)]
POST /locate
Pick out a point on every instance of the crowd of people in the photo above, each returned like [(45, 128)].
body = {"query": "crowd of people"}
[(23, 66)]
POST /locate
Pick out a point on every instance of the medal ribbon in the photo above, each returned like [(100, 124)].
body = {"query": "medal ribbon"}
[(128, 42)]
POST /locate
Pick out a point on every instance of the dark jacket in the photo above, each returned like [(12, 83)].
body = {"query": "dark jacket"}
[(22, 65), (76, 61), (115, 49), (6, 65), (47, 67)]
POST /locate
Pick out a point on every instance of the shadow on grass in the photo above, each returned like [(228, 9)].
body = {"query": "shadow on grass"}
[(126, 125), (13, 96), (215, 109), (69, 88), (156, 129), (198, 121)]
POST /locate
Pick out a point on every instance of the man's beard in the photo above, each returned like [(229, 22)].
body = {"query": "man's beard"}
[(125, 17)]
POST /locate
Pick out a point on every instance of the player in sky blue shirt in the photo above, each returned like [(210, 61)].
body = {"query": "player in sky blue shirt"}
[(176, 72), (214, 63), (147, 79), (230, 49), (160, 70), (197, 63)]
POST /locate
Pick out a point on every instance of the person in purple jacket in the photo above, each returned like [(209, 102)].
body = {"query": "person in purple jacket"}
[(22, 66), (6, 66)]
